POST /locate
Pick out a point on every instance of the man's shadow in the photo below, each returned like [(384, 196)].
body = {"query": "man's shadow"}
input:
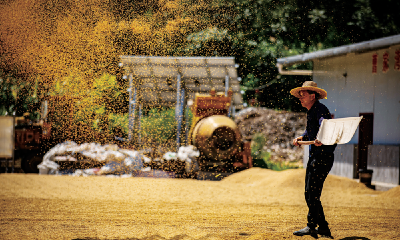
[(355, 238)]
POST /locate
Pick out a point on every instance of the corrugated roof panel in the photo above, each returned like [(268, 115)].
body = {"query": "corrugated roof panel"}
[(164, 71), (217, 72), (159, 76), (192, 61), (220, 61), (194, 71), (141, 70)]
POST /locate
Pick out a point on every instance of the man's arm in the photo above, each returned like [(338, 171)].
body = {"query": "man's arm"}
[(317, 143), (303, 137), (295, 141)]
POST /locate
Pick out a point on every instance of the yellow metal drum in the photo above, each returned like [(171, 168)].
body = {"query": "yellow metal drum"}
[(217, 137)]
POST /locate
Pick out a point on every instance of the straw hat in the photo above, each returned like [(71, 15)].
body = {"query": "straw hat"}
[(311, 86)]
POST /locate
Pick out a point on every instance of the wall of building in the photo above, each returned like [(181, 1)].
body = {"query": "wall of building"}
[(353, 89), (384, 160), (345, 161)]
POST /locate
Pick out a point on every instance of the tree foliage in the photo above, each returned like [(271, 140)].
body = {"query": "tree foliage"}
[(18, 97), (265, 30), (74, 47), (55, 39), (67, 45), (93, 105)]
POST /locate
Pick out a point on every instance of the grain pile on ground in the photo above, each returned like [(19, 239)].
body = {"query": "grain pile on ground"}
[(252, 204), (280, 128)]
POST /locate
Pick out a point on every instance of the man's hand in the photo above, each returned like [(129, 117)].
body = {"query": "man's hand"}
[(295, 141), (317, 143)]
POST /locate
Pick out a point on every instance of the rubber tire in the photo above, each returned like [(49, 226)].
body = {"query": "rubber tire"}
[(30, 163)]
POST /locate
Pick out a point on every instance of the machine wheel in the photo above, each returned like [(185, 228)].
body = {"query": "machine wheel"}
[(29, 164)]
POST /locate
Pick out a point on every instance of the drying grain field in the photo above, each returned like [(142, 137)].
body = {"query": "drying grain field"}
[(253, 204)]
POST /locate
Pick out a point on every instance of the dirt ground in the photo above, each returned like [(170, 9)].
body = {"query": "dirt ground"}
[(253, 204)]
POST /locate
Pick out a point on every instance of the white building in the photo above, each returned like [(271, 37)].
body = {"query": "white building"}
[(362, 79)]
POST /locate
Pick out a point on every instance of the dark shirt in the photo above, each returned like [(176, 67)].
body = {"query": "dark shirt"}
[(315, 115)]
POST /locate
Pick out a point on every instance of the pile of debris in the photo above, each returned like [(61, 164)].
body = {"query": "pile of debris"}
[(95, 159), (99, 159), (279, 129)]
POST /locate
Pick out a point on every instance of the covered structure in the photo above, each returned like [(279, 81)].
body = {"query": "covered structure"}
[(7, 132), (361, 79), (174, 81)]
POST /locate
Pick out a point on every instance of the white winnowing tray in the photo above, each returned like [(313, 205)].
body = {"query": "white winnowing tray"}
[(338, 131)]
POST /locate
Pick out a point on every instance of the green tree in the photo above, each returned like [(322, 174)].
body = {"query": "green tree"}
[(260, 31), (18, 97), (59, 39)]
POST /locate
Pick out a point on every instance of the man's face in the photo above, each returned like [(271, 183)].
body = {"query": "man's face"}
[(306, 99)]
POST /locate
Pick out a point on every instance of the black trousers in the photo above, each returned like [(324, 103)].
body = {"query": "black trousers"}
[(318, 167)]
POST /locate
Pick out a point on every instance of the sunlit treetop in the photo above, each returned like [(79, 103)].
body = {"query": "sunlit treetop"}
[(55, 39)]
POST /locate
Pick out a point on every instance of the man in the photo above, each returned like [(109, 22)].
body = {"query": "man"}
[(320, 159)]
